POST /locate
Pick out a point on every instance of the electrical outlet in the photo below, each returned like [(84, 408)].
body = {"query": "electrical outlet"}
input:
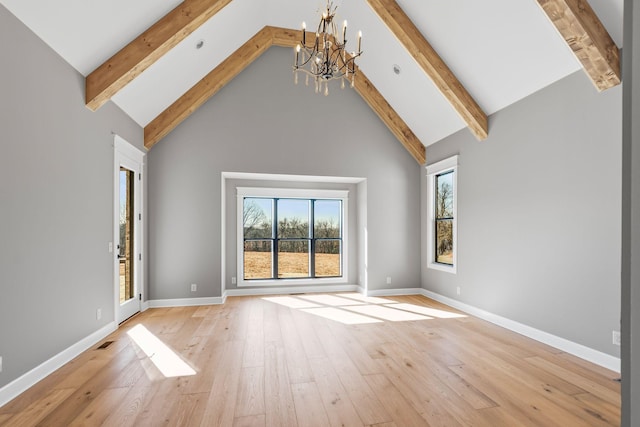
[(99, 314), (233, 280), (110, 247), (458, 290), (616, 337), (194, 287)]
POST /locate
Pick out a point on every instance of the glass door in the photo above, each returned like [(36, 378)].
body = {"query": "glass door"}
[(125, 230), (128, 229)]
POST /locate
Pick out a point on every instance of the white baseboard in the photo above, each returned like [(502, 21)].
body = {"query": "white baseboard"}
[(579, 350), (393, 292), (24, 382), (290, 290), (144, 306), (186, 302)]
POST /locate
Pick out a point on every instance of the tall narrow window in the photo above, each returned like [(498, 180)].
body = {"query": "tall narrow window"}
[(444, 218), (257, 220), (327, 231), (442, 227), (293, 238)]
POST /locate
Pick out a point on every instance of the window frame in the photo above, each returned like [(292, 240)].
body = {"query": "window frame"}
[(439, 168), (290, 193)]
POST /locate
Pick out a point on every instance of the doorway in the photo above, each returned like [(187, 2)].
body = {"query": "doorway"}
[(127, 229)]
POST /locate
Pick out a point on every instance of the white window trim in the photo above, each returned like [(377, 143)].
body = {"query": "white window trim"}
[(291, 193), (446, 165)]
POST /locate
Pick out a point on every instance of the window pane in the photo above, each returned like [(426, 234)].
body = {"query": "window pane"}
[(326, 216), (328, 258), (444, 241), (444, 195), (293, 218), (258, 259), (257, 218), (293, 258)]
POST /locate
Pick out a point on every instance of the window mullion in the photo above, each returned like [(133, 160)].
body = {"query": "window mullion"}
[(274, 236), (312, 240)]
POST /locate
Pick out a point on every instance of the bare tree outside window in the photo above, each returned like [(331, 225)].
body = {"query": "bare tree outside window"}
[(257, 218), (444, 218)]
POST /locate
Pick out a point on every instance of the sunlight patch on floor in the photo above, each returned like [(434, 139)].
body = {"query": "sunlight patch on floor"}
[(387, 313), (356, 309), (166, 360), (331, 300), (341, 316), (369, 300), (291, 302), (427, 311)]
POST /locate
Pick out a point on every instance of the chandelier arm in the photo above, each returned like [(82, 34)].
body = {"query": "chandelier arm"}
[(302, 64), (327, 58)]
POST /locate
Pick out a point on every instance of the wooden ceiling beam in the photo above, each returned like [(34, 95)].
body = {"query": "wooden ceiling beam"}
[(243, 57), (147, 48), (389, 117), (444, 79), (588, 39), (210, 84)]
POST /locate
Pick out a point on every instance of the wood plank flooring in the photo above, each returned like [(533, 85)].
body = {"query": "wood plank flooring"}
[(309, 360)]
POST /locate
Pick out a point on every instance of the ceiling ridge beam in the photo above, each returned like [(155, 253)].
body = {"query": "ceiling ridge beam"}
[(419, 48), (119, 70), (208, 86), (228, 69), (587, 37), (285, 37)]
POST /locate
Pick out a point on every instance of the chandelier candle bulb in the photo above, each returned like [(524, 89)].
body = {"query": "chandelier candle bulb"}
[(344, 32), (359, 41), (304, 33)]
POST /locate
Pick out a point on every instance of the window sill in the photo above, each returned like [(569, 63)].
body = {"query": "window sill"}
[(291, 282), (442, 267)]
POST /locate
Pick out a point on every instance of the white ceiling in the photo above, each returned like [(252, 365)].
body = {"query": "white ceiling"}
[(501, 50)]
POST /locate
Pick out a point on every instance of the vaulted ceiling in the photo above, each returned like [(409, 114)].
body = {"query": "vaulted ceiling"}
[(459, 60)]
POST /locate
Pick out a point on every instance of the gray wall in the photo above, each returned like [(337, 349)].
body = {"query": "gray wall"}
[(261, 122), (56, 192), (631, 217), (539, 214)]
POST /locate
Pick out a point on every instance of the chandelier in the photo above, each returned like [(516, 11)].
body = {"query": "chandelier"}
[(326, 57)]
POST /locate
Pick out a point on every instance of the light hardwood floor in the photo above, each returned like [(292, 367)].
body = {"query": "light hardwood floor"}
[(278, 362)]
